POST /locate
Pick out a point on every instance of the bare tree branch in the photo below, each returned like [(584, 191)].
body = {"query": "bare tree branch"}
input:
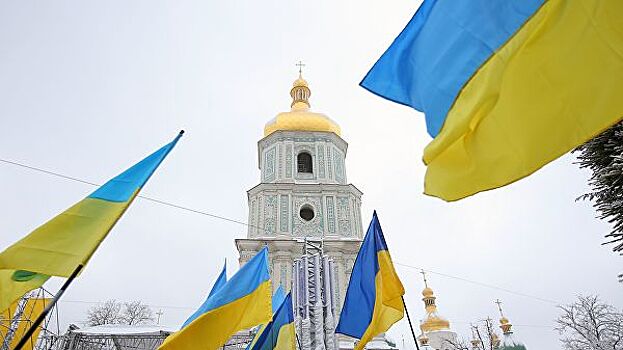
[(589, 324), (114, 312)]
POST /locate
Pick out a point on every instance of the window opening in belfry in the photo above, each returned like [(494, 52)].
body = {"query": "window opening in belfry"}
[(304, 162), (306, 213)]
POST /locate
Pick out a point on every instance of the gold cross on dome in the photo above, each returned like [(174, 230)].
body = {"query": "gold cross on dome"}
[(300, 65)]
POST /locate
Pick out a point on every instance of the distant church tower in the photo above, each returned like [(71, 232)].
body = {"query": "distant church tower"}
[(303, 194), (509, 341), (436, 333)]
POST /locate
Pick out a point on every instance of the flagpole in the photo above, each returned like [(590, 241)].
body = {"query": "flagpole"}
[(408, 318), (47, 309)]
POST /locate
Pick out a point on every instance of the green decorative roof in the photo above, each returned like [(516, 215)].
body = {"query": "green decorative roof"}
[(513, 347), (509, 343)]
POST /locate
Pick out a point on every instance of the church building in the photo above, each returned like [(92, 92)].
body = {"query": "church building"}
[(304, 199), (303, 193)]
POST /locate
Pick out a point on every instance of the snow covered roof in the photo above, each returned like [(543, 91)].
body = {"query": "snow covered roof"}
[(118, 329)]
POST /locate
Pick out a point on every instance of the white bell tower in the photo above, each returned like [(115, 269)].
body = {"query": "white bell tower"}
[(303, 193)]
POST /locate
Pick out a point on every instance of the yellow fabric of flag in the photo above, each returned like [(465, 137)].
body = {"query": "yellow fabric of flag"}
[(11, 290), (6, 316), (66, 241), (33, 308), (243, 302), (214, 328), (61, 245), (388, 305), (553, 86), (286, 339)]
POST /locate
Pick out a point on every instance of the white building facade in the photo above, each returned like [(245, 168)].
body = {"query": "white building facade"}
[(303, 194)]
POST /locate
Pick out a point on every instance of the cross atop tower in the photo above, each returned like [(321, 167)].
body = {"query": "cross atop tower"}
[(499, 307), (424, 276), (159, 313), (300, 65)]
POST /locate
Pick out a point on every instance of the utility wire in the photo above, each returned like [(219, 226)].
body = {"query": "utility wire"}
[(155, 200), (201, 212), (486, 285)]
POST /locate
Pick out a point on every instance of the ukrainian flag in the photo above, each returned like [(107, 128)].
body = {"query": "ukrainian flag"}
[(59, 246), (221, 280), (244, 302), (373, 301), (506, 86), (278, 297), (279, 333)]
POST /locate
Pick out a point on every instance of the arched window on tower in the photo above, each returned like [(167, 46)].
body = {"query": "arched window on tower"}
[(304, 163)]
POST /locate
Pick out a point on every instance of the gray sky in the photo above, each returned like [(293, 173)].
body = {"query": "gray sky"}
[(88, 88)]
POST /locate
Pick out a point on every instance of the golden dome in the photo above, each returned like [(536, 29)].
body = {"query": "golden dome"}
[(300, 82), (427, 292), (434, 323), (300, 118)]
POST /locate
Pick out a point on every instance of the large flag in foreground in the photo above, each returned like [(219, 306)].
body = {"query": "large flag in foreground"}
[(373, 301), (506, 86), (244, 302), (60, 245), (221, 280), (279, 334)]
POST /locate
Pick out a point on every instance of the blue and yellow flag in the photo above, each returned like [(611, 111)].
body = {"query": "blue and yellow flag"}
[(506, 86), (279, 334), (57, 247), (278, 297), (373, 301), (244, 302), (221, 280)]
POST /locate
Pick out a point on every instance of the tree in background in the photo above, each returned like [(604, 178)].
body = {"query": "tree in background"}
[(603, 155), (107, 313), (114, 312), (589, 324), (484, 337), (135, 312)]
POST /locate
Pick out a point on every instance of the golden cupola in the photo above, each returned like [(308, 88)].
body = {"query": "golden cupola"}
[(508, 342), (300, 117), (505, 324), (432, 322)]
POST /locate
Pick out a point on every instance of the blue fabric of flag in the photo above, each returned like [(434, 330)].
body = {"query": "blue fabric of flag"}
[(245, 281), (440, 49), (278, 298), (124, 185), (361, 293), (221, 280)]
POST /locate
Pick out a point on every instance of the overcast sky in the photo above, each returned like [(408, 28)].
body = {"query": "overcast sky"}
[(89, 88)]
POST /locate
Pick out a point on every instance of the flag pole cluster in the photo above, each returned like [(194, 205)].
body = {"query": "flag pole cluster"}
[(506, 86), (61, 246)]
